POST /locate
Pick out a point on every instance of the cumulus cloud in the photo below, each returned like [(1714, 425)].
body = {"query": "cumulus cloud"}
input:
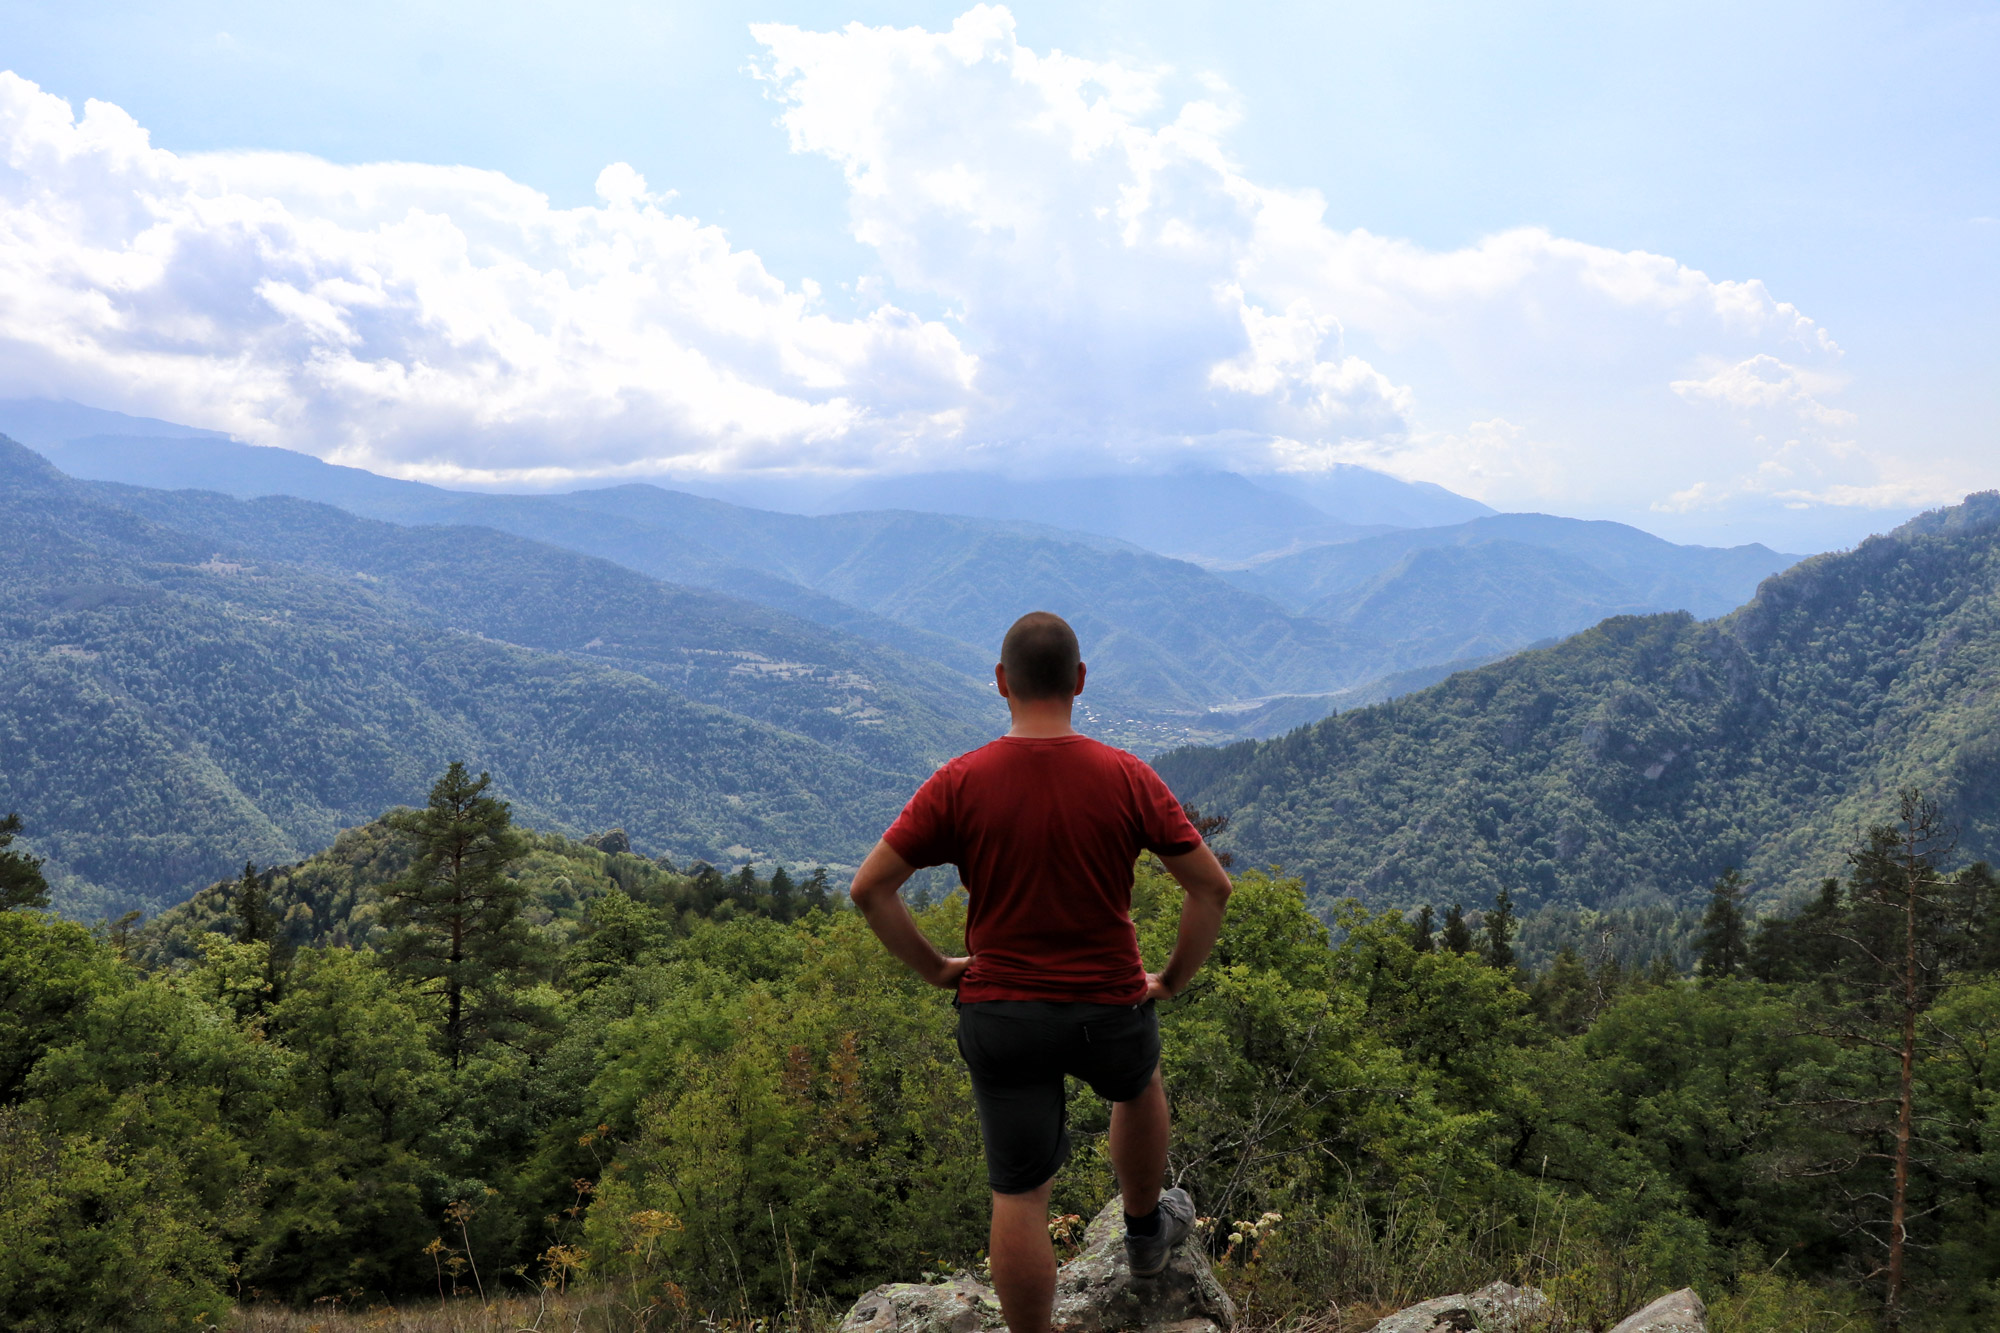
[(1130, 291), (1115, 290), (437, 321)]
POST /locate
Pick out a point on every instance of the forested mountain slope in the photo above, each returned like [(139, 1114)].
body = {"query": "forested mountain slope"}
[(174, 703), (901, 712), (1637, 761), (1180, 651)]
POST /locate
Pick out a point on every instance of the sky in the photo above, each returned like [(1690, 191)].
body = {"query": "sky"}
[(1728, 275)]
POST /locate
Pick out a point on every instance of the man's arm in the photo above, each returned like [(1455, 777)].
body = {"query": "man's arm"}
[(875, 892), (1206, 886)]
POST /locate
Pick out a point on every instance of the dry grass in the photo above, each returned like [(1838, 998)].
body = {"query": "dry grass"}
[(552, 1314), (591, 1310)]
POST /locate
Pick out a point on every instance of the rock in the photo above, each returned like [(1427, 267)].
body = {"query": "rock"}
[(1677, 1312), (609, 841), (962, 1305), (1494, 1308), (1095, 1293)]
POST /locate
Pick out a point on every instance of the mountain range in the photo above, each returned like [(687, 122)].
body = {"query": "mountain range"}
[(1336, 610), (174, 701), (1636, 762), (190, 677)]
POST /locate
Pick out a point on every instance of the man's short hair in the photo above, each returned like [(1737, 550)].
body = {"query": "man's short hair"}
[(1041, 655)]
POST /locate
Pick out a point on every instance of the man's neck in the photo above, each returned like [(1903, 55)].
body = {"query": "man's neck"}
[(1041, 719)]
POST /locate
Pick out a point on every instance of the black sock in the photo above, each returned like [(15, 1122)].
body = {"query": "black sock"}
[(1149, 1225)]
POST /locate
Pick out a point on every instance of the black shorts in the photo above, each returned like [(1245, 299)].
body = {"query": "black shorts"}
[(1019, 1051)]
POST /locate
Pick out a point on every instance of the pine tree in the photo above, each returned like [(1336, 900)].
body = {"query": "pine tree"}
[(1803, 947), (253, 908), (1564, 995), (1879, 959), (706, 891), (743, 892), (1424, 930), (258, 922), (818, 898), (784, 901), (1723, 948), (21, 881), (456, 914), (1500, 932), (1457, 935)]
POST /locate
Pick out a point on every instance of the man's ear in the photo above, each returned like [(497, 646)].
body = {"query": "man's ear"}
[(1000, 679), (1080, 670)]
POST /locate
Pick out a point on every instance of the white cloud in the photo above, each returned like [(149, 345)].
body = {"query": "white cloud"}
[(1119, 292), (436, 320), (1130, 291), (1765, 382)]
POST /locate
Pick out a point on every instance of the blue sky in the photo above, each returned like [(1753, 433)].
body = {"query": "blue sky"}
[(1829, 173)]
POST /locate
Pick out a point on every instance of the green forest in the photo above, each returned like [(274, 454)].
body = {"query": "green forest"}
[(174, 700), (1632, 764), (452, 1060)]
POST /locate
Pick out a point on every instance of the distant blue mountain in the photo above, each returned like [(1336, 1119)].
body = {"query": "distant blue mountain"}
[(43, 422), (1364, 496), (1210, 517), (1296, 612)]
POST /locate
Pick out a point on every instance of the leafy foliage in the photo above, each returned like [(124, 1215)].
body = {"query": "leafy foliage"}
[(741, 1098)]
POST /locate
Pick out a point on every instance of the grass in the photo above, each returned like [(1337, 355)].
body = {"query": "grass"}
[(587, 1310)]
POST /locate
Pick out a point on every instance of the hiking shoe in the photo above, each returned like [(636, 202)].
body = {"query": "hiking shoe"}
[(1148, 1255)]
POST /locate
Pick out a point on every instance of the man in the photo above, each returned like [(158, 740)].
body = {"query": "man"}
[(1044, 826)]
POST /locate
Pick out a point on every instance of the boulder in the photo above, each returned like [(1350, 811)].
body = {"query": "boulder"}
[(610, 841), (962, 1305), (1676, 1312), (1095, 1293), (1494, 1308)]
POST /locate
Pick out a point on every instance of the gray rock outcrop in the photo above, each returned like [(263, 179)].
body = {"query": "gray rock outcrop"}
[(1677, 1312), (962, 1305), (1095, 1293), (1494, 1308)]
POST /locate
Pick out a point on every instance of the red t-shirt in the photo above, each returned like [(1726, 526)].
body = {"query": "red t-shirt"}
[(1044, 832)]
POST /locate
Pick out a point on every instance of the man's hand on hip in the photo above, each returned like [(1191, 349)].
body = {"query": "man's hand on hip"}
[(1205, 886), (875, 888)]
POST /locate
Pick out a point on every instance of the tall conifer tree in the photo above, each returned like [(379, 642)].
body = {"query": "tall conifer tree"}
[(817, 896), (744, 889), (784, 900), (1500, 932), (253, 907), (456, 914), (1723, 947), (1457, 935)]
